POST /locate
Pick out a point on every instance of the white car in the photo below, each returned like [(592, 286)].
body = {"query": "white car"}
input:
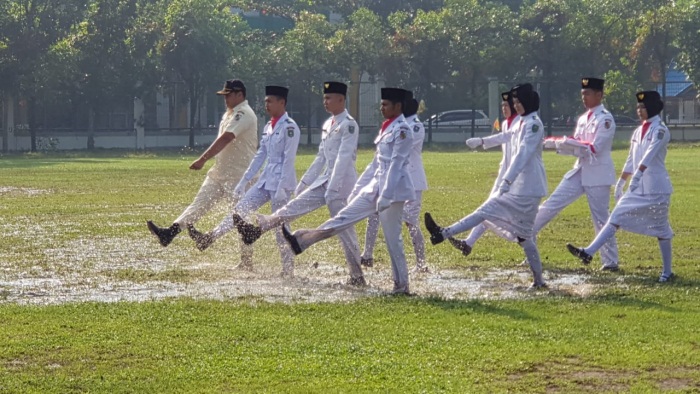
[(460, 118)]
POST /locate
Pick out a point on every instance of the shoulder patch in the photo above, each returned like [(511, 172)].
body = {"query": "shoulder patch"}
[(290, 131), (238, 116), (660, 135), (535, 128), (351, 129), (416, 128), (608, 123)]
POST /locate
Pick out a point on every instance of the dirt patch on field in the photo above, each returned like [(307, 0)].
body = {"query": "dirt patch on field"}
[(573, 375)]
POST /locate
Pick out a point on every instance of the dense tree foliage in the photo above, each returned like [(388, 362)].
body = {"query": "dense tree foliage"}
[(92, 53)]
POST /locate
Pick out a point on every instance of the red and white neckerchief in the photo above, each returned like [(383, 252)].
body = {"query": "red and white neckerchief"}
[(387, 122), (645, 128)]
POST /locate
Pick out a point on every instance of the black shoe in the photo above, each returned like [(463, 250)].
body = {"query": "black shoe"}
[(357, 282), (367, 262), (435, 231), (237, 219), (249, 232), (165, 235), (580, 253), (296, 248), (201, 240), (461, 245), (610, 268)]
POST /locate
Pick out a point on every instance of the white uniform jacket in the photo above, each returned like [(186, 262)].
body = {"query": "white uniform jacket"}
[(415, 160), (526, 171), (388, 173), (596, 164), (650, 151), (503, 138), (334, 164), (279, 147)]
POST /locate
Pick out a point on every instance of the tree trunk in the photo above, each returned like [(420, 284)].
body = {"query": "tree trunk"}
[(91, 128), (31, 103), (193, 112)]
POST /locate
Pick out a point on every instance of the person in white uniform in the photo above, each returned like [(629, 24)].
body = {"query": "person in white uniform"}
[(411, 210), (328, 181), (510, 125), (594, 171), (277, 151), (233, 149), (383, 187), (643, 208), (523, 186)]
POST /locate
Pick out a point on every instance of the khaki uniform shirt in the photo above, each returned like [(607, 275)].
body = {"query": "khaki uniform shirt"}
[(233, 160)]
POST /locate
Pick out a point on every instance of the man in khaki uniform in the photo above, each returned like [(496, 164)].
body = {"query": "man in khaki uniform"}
[(234, 148)]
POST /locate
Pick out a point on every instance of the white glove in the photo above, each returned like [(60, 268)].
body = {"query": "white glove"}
[(619, 189), (634, 183), (504, 187), (550, 144), (475, 142), (300, 188), (239, 190), (280, 195), (383, 203)]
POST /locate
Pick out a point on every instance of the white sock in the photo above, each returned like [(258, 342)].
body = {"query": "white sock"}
[(666, 255), (603, 236), (467, 223), (475, 234), (418, 244), (533, 258), (223, 228), (371, 236)]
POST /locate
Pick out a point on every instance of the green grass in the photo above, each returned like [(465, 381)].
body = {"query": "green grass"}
[(80, 215)]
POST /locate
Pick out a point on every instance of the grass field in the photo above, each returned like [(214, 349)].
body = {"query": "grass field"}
[(89, 302)]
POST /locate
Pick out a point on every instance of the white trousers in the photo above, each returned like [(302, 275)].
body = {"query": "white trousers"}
[(310, 200), (361, 207), (251, 202), (568, 191), (410, 215)]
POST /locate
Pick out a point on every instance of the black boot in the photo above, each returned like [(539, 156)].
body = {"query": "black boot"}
[(366, 262), (435, 231), (201, 240), (461, 245), (580, 253), (165, 235), (292, 240), (249, 232)]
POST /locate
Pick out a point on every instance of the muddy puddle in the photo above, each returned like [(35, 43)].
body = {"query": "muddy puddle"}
[(115, 269)]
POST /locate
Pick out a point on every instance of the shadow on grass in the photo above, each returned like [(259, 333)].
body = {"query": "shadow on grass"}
[(34, 162), (475, 306)]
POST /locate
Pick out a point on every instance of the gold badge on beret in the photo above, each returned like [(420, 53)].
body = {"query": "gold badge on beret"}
[(640, 96), (326, 85), (584, 82)]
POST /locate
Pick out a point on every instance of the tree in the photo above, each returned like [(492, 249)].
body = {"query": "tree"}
[(28, 29), (96, 60), (197, 46), (688, 33), (655, 46), (479, 42), (300, 59)]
